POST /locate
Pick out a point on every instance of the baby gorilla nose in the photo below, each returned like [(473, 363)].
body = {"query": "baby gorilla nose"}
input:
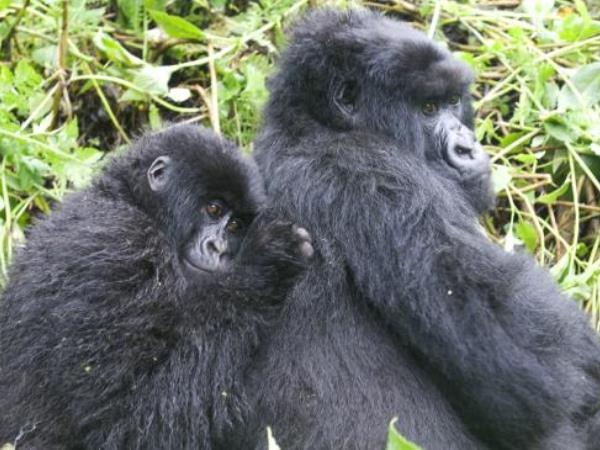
[(208, 253), (215, 246)]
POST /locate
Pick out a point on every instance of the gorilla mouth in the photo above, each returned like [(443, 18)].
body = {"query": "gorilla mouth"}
[(196, 266), (483, 177)]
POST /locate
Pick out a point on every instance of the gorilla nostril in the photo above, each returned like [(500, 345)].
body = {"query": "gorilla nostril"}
[(212, 248), (463, 152), (216, 246)]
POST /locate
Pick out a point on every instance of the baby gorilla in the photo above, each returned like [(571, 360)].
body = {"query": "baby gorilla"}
[(132, 310)]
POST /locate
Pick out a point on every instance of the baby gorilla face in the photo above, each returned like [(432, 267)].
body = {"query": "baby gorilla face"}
[(203, 210), (217, 240)]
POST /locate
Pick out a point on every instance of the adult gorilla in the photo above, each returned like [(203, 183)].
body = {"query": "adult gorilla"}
[(410, 311)]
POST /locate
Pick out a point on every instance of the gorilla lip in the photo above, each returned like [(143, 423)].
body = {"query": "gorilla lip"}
[(195, 268)]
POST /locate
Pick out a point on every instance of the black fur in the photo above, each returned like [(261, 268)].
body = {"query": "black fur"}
[(410, 311), (106, 341)]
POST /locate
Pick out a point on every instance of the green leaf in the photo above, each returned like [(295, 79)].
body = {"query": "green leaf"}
[(154, 117), (501, 176), (71, 130), (158, 5), (398, 442), (26, 78), (526, 232), (510, 138), (45, 56), (36, 165), (80, 172), (133, 96), (557, 128), (177, 27), (132, 12), (551, 197), (115, 51), (559, 160), (153, 79), (526, 158), (582, 9), (587, 82), (574, 29), (255, 89), (83, 18)]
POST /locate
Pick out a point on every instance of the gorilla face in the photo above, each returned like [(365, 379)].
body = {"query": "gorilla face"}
[(207, 230), (217, 239), (405, 86), (364, 71), (451, 147), (455, 142)]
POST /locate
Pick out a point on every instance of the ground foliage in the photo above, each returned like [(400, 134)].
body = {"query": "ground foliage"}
[(79, 79)]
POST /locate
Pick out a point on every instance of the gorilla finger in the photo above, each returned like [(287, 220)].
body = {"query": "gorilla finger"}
[(301, 233), (306, 249)]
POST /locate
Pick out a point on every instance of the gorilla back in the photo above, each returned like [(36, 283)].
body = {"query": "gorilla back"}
[(410, 311), (133, 309)]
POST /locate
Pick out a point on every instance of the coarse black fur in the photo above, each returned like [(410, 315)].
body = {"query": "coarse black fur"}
[(107, 340), (411, 312)]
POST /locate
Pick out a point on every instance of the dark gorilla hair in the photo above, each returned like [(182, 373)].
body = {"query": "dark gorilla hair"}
[(365, 71), (410, 311), (133, 309)]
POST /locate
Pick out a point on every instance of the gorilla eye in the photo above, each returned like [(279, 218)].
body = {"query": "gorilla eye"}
[(234, 226), (429, 108), (454, 100), (214, 210)]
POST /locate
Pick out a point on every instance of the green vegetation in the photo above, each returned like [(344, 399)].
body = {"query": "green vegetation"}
[(80, 78), (395, 441)]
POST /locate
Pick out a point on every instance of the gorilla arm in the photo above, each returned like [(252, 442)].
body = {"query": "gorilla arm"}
[(464, 305)]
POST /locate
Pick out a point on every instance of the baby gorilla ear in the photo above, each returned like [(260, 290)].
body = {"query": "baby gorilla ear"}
[(158, 173), (345, 97)]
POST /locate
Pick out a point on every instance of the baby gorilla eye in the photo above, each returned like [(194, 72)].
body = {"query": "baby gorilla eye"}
[(234, 226), (429, 108), (454, 100), (214, 210)]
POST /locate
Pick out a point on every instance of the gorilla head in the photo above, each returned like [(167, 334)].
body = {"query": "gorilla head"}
[(133, 309), (361, 70), (200, 207)]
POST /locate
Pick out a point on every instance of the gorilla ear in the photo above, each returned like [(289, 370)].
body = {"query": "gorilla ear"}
[(345, 97), (158, 173)]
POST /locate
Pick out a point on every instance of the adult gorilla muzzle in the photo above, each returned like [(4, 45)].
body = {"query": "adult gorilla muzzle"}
[(462, 151)]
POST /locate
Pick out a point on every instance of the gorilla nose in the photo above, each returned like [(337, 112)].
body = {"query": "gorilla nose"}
[(463, 151), (466, 155), (215, 246)]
